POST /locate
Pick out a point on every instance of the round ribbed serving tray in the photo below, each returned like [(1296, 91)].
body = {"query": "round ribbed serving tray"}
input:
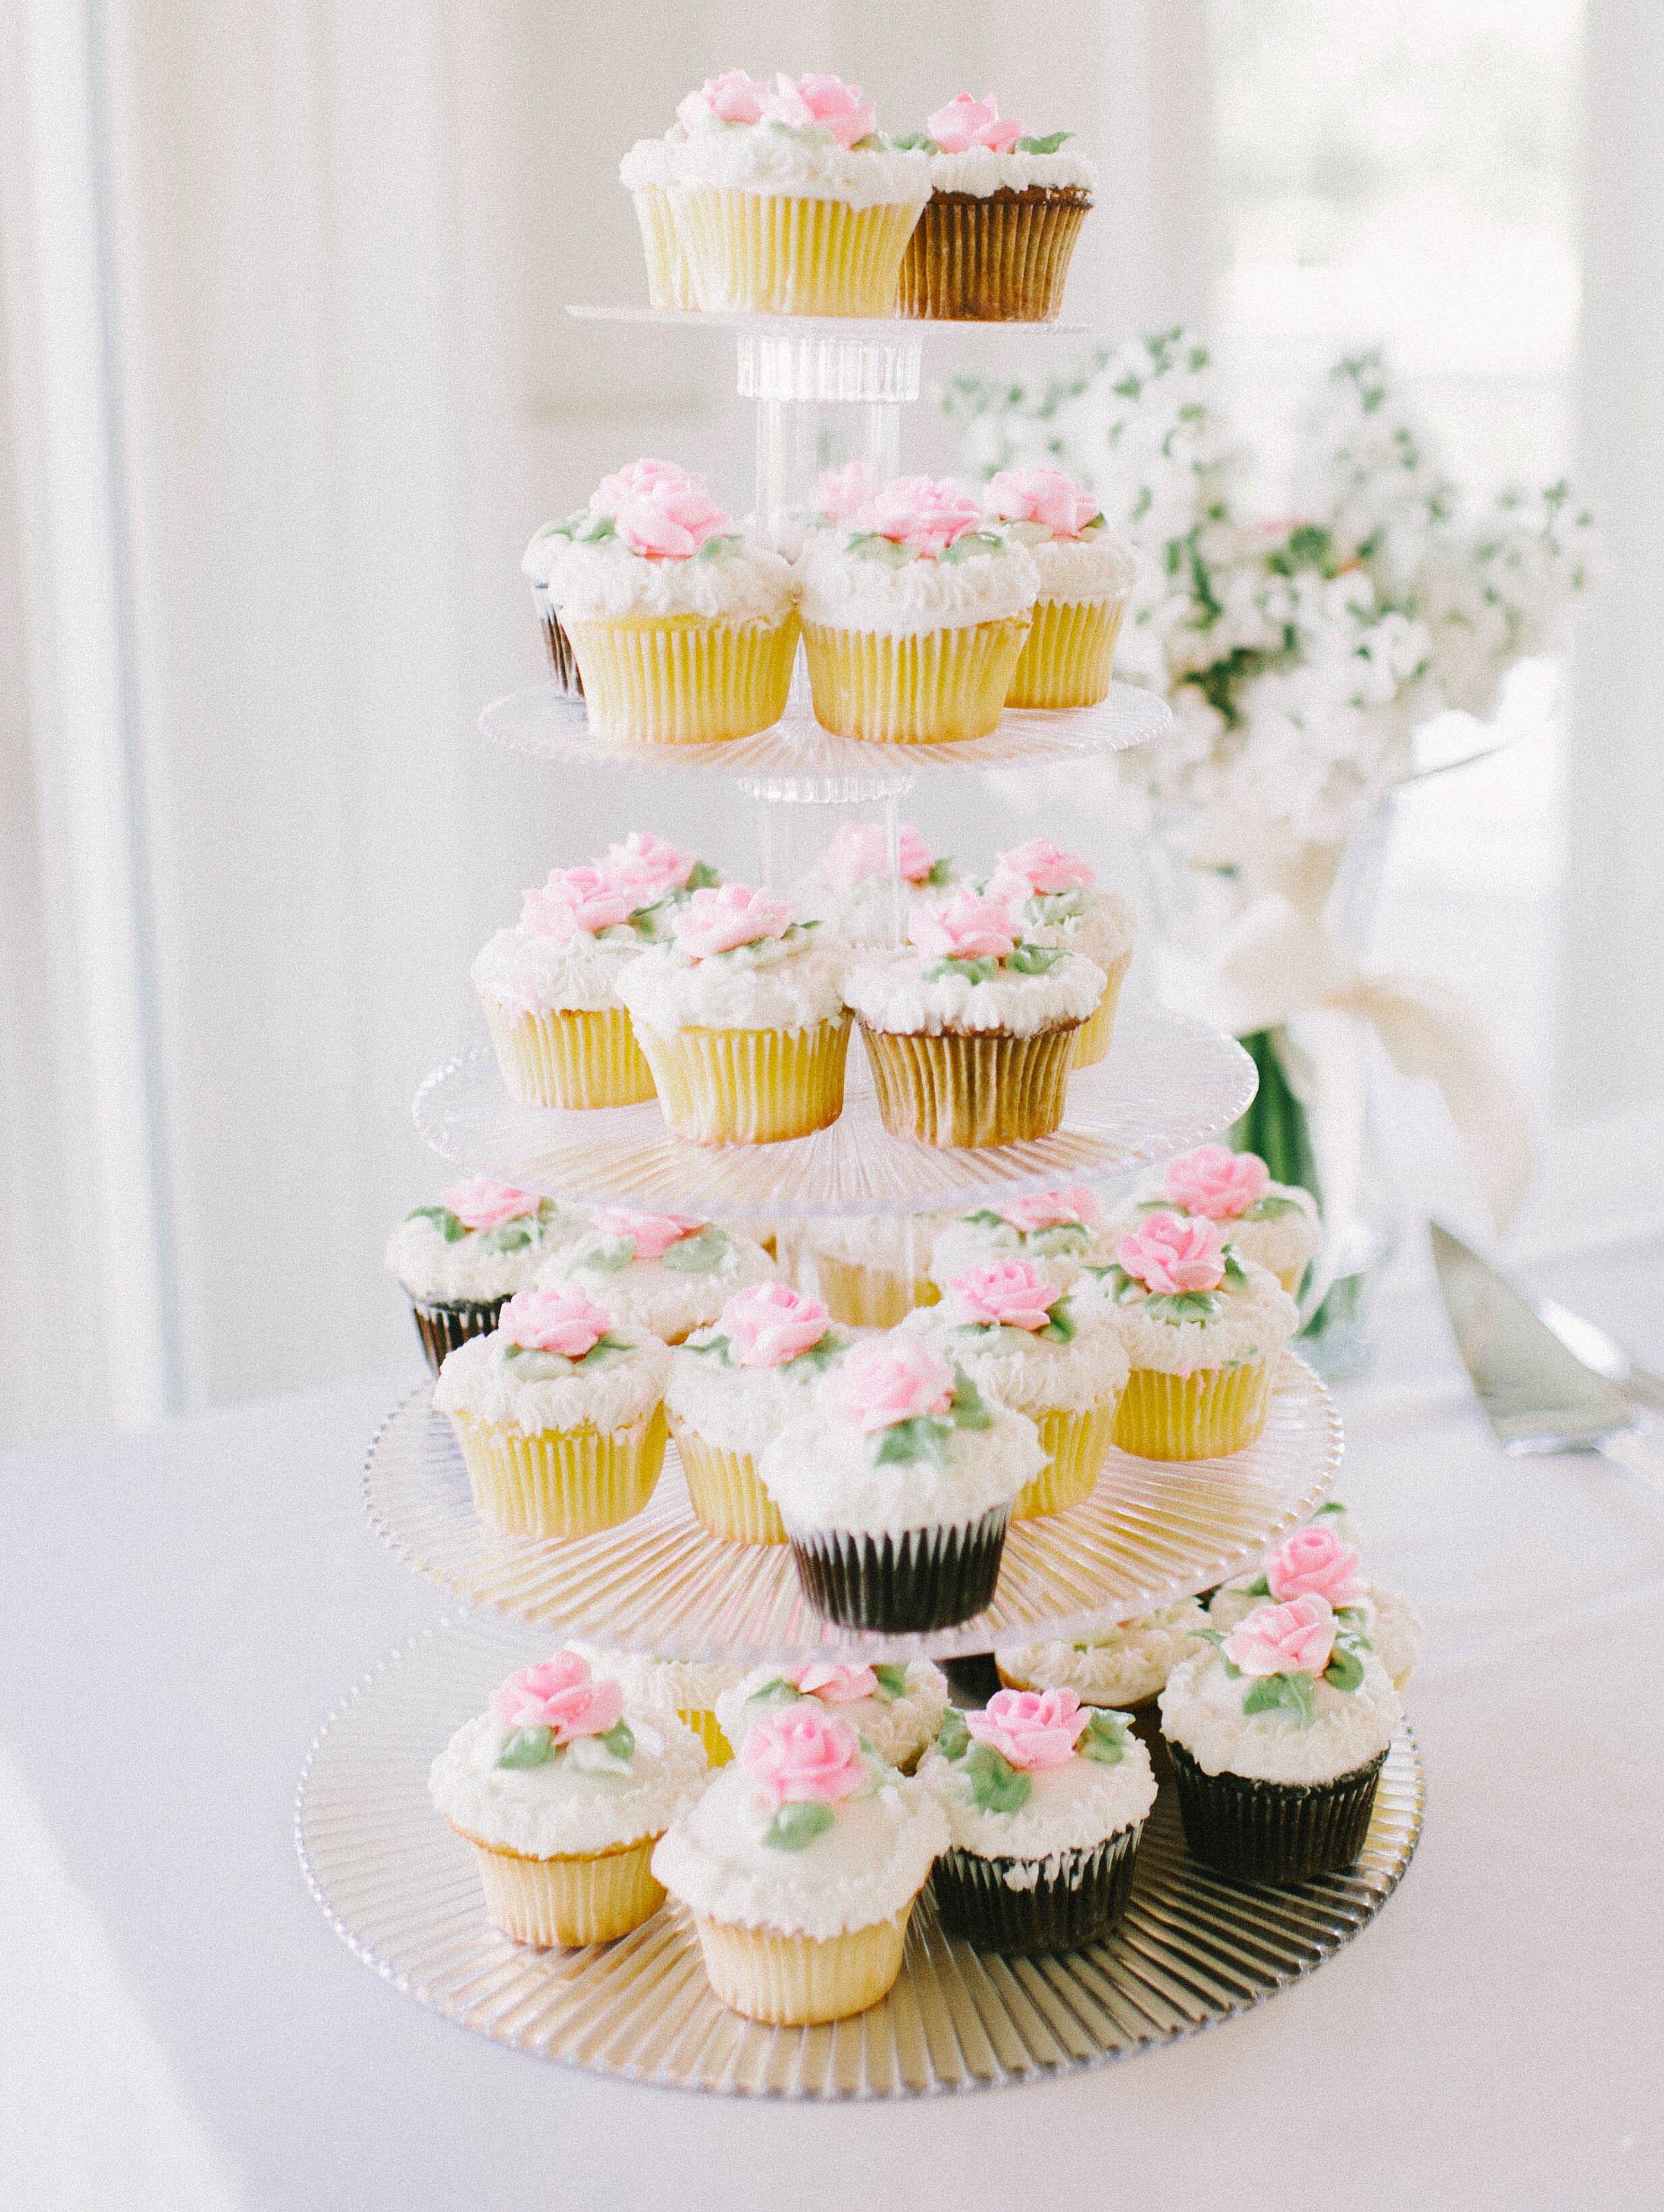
[(1152, 1532), (1166, 1084), (401, 1891)]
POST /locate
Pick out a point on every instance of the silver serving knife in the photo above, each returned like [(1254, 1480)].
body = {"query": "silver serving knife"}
[(1536, 1394)]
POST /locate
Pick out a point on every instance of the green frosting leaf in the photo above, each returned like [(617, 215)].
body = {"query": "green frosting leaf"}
[(1060, 1329), (1258, 1588), (1294, 1693), (599, 526), (981, 970), (985, 1217), (606, 1256), (1035, 959), (1048, 144), (972, 546), (940, 876), (1053, 907), (1271, 1208), (697, 1255), (1345, 1670), (953, 1737), (620, 1741), (716, 1347), (969, 1410), (819, 1357), (915, 141), (776, 1692), (513, 1236), (600, 1351), (1235, 1271), (528, 1746), (891, 1680), (996, 1784), (448, 1226), (718, 549), (1184, 1305), (704, 877), (795, 1826), (905, 1441), (1105, 1738), (871, 545), (1061, 1237), (531, 1364)]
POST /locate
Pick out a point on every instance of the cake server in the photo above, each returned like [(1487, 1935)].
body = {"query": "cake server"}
[(1534, 1391)]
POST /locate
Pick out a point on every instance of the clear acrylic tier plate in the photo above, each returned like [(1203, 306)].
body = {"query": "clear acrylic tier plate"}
[(1166, 1085), (1152, 1532), (401, 1891)]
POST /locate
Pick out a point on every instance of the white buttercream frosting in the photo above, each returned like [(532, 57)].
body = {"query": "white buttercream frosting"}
[(866, 1868), (823, 1473), (974, 1240), (1122, 1666), (892, 991), (1099, 925), (1254, 1323), (778, 983), (980, 172), (591, 582), (559, 1809), (469, 1270), (615, 1392), (526, 972), (649, 164), (898, 1728), (1391, 1622), (1030, 1373), (677, 1686), (1201, 1708), (1284, 1241), (741, 1409), (784, 161), (647, 1294), (1071, 1808), (845, 590), (1076, 570), (862, 913)]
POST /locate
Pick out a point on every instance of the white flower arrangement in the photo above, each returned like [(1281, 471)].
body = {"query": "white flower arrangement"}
[(1300, 653)]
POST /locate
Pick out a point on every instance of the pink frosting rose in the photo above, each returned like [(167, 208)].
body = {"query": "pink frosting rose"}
[(834, 1685), (1048, 496), (670, 522), (562, 1695), (646, 866), (824, 101), (770, 1323), (804, 1756), (483, 1204), (718, 920), (1031, 1728), (1051, 1209), (1168, 1255), (643, 479), (733, 97), (926, 513), (1216, 1181), (1283, 1639), (841, 493), (653, 1233), (1039, 866), (1315, 1563), (1007, 1290), (861, 850), (562, 1319), (966, 926), (886, 1379), (576, 903), (964, 123)]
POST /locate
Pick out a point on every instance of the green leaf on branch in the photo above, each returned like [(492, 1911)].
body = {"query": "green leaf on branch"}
[(996, 1784), (528, 1746)]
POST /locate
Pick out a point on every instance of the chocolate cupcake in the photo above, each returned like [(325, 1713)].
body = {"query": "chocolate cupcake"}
[(460, 1258)]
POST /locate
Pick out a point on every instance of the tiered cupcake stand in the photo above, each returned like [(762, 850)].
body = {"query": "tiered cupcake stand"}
[(394, 1881)]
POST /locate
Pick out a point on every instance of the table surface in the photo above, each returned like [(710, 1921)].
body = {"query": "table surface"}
[(180, 2031)]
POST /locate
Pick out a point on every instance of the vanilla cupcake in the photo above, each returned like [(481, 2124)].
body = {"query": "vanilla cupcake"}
[(785, 200), (668, 1273), (1277, 1732), (913, 618), (458, 1260), (741, 1018), (1275, 1225), (684, 629), (647, 173), (1017, 1338), (689, 1688), (850, 891), (560, 1415), (1057, 1231), (895, 1708), (734, 1386), (869, 1268), (800, 1865), (896, 1491), (971, 1029), (1046, 1799), (1086, 573), (1317, 1560), (1055, 900), (1124, 1666), (563, 1788), (1005, 208)]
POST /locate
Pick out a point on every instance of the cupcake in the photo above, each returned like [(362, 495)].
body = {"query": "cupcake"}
[(832, 502), (1056, 1231), (971, 1029), (894, 1709), (560, 1415), (800, 1865), (868, 1268), (1055, 901), (742, 1020), (563, 1788), (535, 564), (851, 892), (647, 173), (913, 619), (1275, 1225), (896, 1488), (1016, 1337), (786, 202), (1202, 1330), (1005, 208), (1317, 1560), (1086, 573), (1045, 1799), (734, 1386), (684, 629), (458, 1260), (689, 1688), (666, 1272), (1124, 1666), (1277, 1732)]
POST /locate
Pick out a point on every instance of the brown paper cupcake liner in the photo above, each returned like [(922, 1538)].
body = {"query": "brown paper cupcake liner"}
[(993, 257), (442, 1328), (922, 1579), (563, 660), (1274, 1830), (970, 1089), (1074, 1899)]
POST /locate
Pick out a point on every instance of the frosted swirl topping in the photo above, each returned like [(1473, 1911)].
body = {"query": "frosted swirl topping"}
[(741, 1407), (1248, 1316), (680, 1685), (616, 1382), (1312, 1702), (1122, 1666), (779, 978), (668, 1286), (1056, 1231), (1275, 1224), (917, 557), (729, 578), (649, 166), (1172, 1257), (481, 1241), (785, 158), (1034, 988), (895, 1709), (1038, 1774), (974, 149), (1018, 1339)]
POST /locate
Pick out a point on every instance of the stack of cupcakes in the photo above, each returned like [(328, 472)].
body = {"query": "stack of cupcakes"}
[(1277, 1225)]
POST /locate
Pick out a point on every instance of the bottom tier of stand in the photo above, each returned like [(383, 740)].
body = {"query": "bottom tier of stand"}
[(401, 1891)]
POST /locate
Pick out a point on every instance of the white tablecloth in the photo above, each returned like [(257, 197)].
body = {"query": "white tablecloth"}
[(180, 2031)]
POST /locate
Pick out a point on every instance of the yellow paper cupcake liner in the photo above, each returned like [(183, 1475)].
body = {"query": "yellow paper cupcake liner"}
[(707, 1727), (560, 1482), (1075, 1445), (791, 1981), (589, 1899), (764, 253), (869, 1297), (682, 679), (971, 1089), (933, 687), (1205, 1415), (1068, 655), (569, 1056), (748, 1086), (995, 257), (726, 1492), (1092, 1037), (669, 280)]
